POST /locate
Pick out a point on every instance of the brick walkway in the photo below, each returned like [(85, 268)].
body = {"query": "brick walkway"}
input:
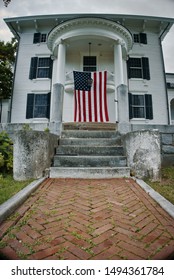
[(76, 219)]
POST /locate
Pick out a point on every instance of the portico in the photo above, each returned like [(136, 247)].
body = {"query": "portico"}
[(110, 43)]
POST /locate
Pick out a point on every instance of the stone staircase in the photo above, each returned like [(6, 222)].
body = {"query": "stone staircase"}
[(84, 153)]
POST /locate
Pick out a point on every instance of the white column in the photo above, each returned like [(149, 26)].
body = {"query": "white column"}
[(121, 91), (118, 65), (118, 71), (61, 57), (56, 110)]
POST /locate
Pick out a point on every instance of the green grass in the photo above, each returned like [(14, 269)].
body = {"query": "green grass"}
[(9, 187), (166, 186)]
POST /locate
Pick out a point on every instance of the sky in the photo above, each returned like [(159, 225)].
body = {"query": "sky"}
[(161, 8)]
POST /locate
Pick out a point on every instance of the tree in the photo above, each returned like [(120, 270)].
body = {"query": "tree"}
[(7, 59), (6, 2)]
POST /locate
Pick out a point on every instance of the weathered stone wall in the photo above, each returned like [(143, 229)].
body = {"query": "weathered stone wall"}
[(12, 128), (143, 151), (33, 152), (167, 140)]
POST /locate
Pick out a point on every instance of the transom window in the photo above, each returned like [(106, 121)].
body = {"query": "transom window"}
[(89, 63)]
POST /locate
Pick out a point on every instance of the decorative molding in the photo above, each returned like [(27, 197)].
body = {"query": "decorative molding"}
[(107, 28)]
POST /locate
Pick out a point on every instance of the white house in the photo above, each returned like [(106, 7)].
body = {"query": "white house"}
[(127, 47)]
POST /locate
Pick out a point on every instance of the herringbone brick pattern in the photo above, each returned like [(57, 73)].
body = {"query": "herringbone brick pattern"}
[(76, 219)]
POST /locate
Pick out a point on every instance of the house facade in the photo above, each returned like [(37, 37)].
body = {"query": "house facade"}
[(128, 48)]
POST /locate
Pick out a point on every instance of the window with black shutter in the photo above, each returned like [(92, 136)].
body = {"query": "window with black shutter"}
[(140, 38), (140, 106), (39, 38), (40, 67), (38, 106), (138, 68)]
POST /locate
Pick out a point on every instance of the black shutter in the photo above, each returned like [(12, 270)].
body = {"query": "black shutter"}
[(128, 68), (30, 104), (130, 105), (149, 108), (48, 105), (33, 68), (146, 71), (143, 38), (51, 68), (36, 38)]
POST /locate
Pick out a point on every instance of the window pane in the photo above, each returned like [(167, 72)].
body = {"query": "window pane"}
[(41, 99), (89, 60), (135, 62), (44, 62), (138, 112), (40, 111), (136, 73), (136, 38), (138, 100), (43, 37), (43, 73)]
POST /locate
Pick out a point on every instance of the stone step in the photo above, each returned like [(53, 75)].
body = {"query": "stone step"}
[(90, 141), (89, 172), (89, 161), (90, 150), (89, 126), (90, 134)]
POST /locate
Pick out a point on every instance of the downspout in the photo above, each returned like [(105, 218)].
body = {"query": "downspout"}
[(168, 115)]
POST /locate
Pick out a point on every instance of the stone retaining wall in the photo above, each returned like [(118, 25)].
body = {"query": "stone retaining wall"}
[(167, 150), (33, 152)]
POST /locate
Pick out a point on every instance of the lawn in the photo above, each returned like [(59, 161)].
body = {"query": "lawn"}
[(9, 187), (166, 186)]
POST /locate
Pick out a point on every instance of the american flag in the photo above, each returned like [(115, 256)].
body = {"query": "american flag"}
[(90, 101)]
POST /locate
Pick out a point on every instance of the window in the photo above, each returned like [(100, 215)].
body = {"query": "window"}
[(39, 38), (89, 63), (170, 85), (43, 67), (138, 68), (140, 38), (40, 67), (140, 106), (38, 105)]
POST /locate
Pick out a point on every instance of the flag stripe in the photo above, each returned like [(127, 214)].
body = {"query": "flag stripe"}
[(91, 105), (105, 97)]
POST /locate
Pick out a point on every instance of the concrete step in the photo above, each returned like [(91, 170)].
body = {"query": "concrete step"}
[(90, 134), (89, 172), (90, 150), (89, 161), (90, 141), (89, 126)]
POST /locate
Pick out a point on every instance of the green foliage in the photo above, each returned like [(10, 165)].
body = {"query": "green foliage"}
[(26, 127), (166, 186), (7, 59), (9, 187), (6, 153)]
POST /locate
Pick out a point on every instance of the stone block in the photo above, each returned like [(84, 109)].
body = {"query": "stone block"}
[(143, 151), (33, 152)]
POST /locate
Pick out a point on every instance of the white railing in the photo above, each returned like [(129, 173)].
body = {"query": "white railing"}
[(69, 82)]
